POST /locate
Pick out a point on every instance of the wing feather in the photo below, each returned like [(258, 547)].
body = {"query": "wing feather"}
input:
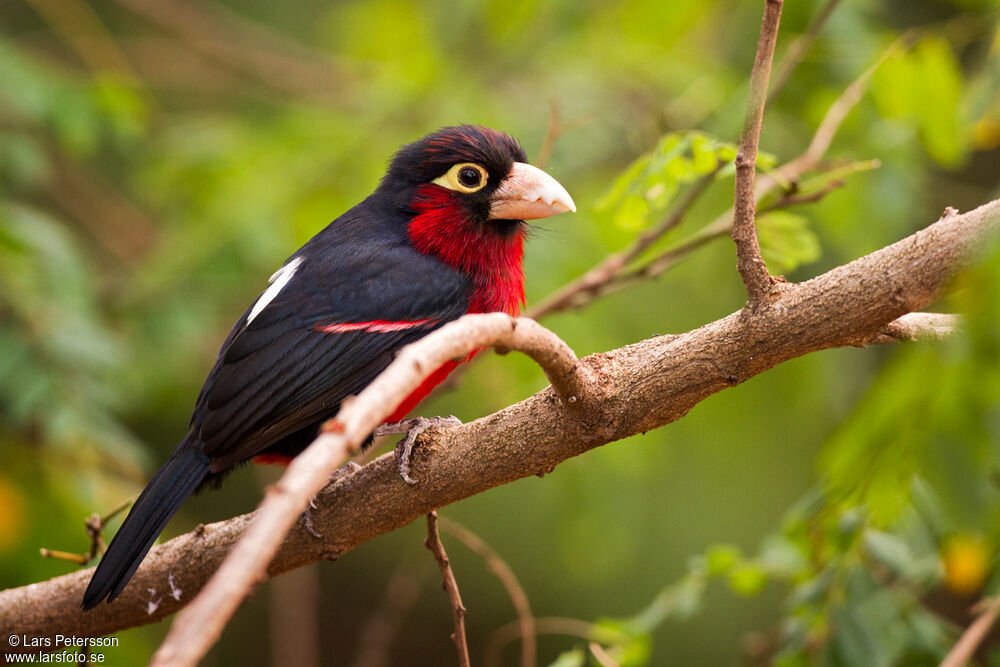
[(278, 372)]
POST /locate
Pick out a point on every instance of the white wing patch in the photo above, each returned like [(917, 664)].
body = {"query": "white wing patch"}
[(278, 282)]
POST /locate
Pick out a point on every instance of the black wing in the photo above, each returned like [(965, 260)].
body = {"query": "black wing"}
[(300, 356)]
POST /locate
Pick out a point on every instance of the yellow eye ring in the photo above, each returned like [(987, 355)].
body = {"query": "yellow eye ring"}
[(463, 177)]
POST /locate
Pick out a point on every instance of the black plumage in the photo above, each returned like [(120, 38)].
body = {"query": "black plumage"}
[(414, 255)]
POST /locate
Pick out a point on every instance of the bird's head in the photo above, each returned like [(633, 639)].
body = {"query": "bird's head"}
[(469, 190), (480, 172)]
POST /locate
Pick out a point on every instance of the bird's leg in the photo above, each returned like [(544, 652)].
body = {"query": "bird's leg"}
[(413, 428), (306, 518)]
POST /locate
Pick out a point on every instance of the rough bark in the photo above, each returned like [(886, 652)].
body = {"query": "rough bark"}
[(636, 388)]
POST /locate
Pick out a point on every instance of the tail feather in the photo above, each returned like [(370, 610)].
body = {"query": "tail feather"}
[(177, 479)]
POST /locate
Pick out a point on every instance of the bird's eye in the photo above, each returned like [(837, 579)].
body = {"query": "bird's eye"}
[(464, 177), (469, 177)]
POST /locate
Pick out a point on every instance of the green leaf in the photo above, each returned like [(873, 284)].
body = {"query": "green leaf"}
[(923, 88), (786, 241), (747, 578), (941, 130), (573, 658), (679, 601), (647, 187), (855, 641), (636, 653), (890, 550), (721, 558)]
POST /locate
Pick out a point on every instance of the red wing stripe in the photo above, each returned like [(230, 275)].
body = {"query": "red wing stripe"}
[(375, 326)]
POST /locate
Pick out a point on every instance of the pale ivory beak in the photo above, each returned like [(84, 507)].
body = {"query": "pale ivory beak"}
[(528, 193)]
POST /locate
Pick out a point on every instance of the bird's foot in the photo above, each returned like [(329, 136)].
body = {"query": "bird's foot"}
[(306, 518), (413, 428), (307, 522)]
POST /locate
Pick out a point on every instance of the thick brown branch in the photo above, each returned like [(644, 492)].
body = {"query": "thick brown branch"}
[(450, 586), (634, 389), (749, 261)]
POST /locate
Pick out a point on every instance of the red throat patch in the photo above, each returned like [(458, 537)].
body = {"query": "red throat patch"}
[(441, 228)]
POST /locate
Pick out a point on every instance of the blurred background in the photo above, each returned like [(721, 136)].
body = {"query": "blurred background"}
[(158, 160)]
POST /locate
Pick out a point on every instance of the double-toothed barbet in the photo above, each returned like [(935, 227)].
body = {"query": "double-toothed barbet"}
[(441, 236)]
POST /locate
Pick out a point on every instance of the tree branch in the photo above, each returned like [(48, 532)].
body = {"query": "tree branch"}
[(750, 262), (630, 390), (963, 650), (610, 275), (592, 282), (917, 327), (200, 625), (450, 586)]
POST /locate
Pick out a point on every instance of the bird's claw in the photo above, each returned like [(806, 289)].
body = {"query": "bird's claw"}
[(413, 428), (306, 518), (307, 522)]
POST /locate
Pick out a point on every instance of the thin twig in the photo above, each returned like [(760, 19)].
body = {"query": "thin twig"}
[(552, 133), (601, 655), (963, 650), (79, 559), (798, 49), (750, 262), (250, 47), (550, 625), (659, 264), (789, 199), (604, 278), (590, 283), (555, 130), (837, 112), (94, 525), (116, 222), (77, 22), (503, 572), (450, 586)]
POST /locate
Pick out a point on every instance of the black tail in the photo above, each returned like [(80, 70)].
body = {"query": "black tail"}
[(173, 483)]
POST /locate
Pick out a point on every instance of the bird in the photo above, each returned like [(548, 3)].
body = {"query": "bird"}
[(442, 235)]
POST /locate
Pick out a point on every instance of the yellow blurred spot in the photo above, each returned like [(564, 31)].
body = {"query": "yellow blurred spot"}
[(11, 515), (986, 134), (966, 564)]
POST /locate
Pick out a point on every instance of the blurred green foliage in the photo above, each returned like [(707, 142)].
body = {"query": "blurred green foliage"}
[(157, 161)]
